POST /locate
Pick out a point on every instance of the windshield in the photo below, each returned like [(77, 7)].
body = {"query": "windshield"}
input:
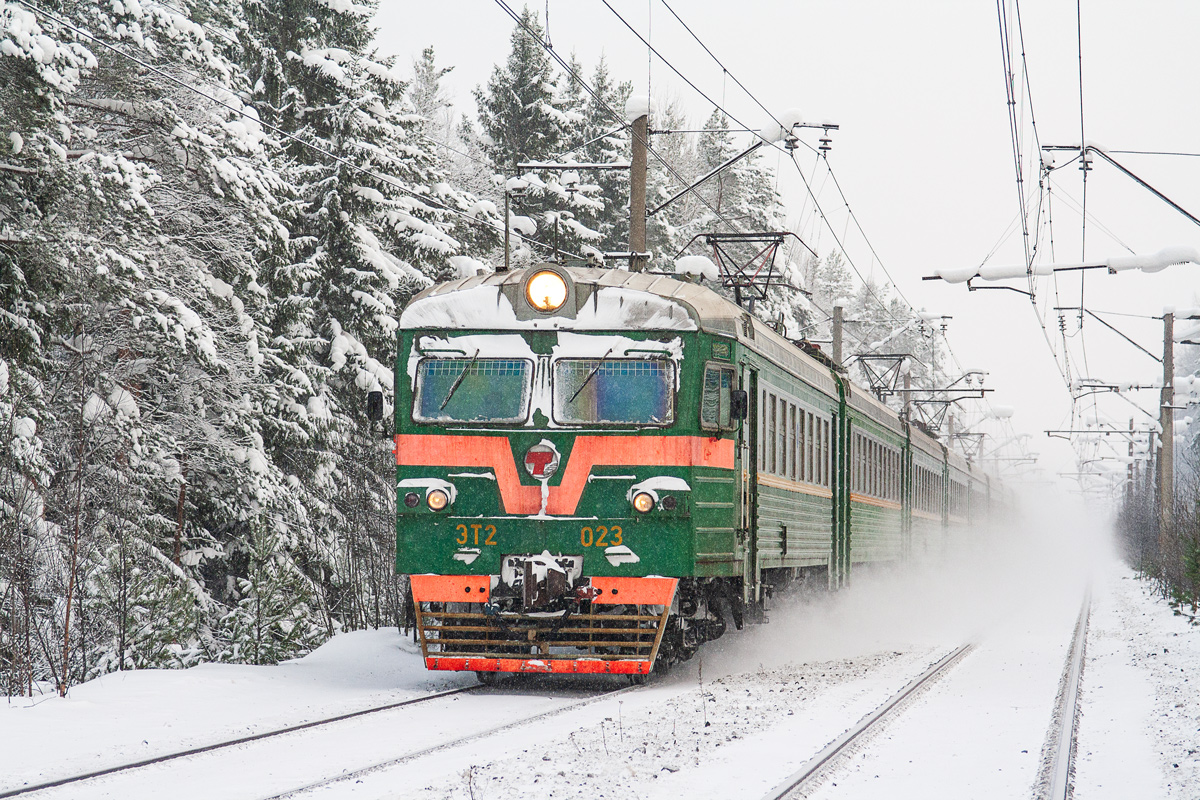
[(472, 390), (612, 390)]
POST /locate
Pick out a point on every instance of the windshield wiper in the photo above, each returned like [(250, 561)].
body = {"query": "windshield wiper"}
[(590, 375), (458, 381)]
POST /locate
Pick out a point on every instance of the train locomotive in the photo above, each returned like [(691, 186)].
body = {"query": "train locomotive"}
[(600, 470)]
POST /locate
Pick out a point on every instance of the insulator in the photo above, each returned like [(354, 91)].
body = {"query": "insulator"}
[(826, 144)]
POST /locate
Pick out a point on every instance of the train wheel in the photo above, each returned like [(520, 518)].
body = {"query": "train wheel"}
[(488, 678), (638, 679)]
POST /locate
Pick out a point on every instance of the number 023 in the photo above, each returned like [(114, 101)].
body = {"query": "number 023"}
[(600, 536)]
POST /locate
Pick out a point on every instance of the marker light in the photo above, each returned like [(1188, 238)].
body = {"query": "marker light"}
[(546, 290), (437, 499), (643, 502)]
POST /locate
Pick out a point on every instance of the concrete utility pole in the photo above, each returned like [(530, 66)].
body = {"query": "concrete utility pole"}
[(837, 334), (1166, 457), (637, 193)]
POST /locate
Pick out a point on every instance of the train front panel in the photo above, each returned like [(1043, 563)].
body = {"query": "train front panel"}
[(547, 491)]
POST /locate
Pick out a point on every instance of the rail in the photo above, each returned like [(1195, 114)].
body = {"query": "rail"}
[(208, 748), (1058, 771), (358, 774), (814, 765)]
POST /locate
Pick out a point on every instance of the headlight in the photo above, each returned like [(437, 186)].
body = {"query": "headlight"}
[(643, 502), (437, 499), (546, 290), (411, 499)]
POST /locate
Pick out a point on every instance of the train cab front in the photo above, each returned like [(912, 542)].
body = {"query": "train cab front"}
[(545, 470)]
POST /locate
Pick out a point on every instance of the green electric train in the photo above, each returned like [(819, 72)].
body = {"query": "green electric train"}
[(599, 470)]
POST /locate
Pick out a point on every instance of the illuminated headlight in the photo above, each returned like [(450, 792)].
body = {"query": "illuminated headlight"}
[(437, 499), (546, 290), (643, 502)]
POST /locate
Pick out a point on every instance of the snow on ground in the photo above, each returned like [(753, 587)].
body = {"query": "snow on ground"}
[(731, 723), (129, 716), (1140, 731)]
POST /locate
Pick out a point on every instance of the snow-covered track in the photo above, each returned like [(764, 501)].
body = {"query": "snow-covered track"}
[(208, 748), (358, 774), (814, 766), (1056, 781)]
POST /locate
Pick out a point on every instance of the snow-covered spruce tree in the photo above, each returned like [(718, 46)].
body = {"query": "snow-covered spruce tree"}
[(363, 241), (429, 98), (270, 620), (668, 231), (611, 220), (142, 194), (516, 109), (527, 113)]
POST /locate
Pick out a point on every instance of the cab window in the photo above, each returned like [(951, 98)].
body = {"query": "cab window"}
[(614, 391), (472, 390)]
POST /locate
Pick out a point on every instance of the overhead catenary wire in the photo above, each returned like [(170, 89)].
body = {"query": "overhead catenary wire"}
[(280, 131), (850, 212), (867, 284), (604, 105)]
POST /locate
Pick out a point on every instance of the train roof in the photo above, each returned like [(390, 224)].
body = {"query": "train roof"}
[(480, 302)]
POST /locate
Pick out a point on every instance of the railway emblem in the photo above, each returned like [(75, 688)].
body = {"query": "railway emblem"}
[(541, 460)]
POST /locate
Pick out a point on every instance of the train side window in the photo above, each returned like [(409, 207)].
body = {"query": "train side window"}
[(762, 432), (791, 442), (875, 469), (772, 432), (854, 457), (820, 468), (781, 438), (804, 457), (715, 399)]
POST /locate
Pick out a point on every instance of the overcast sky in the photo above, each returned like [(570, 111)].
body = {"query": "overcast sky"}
[(924, 152)]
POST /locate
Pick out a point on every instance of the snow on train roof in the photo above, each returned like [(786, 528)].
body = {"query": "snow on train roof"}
[(622, 300)]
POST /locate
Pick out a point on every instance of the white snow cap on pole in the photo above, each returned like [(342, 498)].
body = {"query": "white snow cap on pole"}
[(1154, 262), (779, 129), (696, 265), (638, 105)]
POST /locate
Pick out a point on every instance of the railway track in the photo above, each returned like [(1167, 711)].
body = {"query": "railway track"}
[(799, 780), (360, 773), (1056, 779), (208, 748)]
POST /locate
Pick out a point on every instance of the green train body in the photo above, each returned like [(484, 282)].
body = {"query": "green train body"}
[(526, 439)]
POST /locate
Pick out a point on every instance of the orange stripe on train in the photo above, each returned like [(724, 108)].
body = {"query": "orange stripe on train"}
[(423, 450)]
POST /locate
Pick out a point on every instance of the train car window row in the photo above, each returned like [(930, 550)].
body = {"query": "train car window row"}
[(794, 443), (875, 468)]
